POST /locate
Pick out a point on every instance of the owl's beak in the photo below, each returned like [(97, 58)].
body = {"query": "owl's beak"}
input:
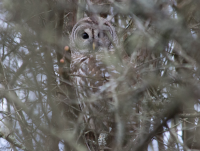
[(93, 45)]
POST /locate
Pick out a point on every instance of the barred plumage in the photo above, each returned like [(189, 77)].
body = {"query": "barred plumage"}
[(91, 67)]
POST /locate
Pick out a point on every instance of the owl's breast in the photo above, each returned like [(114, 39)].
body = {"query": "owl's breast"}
[(88, 73)]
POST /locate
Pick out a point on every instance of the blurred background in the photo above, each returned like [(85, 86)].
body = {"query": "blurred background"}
[(158, 91)]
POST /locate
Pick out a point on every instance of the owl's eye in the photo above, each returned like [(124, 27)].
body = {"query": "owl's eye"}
[(85, 35), (101, 34)]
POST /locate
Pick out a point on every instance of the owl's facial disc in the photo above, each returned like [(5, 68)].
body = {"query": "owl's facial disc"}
[(83, 39), (93, 40), (90, 36)]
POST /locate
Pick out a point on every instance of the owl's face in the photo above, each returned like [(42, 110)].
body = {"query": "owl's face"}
[(89, 36), (93, 39)]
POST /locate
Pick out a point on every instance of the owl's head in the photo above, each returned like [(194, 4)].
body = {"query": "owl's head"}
[(89, 35)]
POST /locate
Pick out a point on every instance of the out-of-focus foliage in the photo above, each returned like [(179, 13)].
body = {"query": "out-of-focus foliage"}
[(155, 99)]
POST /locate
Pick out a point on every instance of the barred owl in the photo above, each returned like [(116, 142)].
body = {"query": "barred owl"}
[(92, 44)]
